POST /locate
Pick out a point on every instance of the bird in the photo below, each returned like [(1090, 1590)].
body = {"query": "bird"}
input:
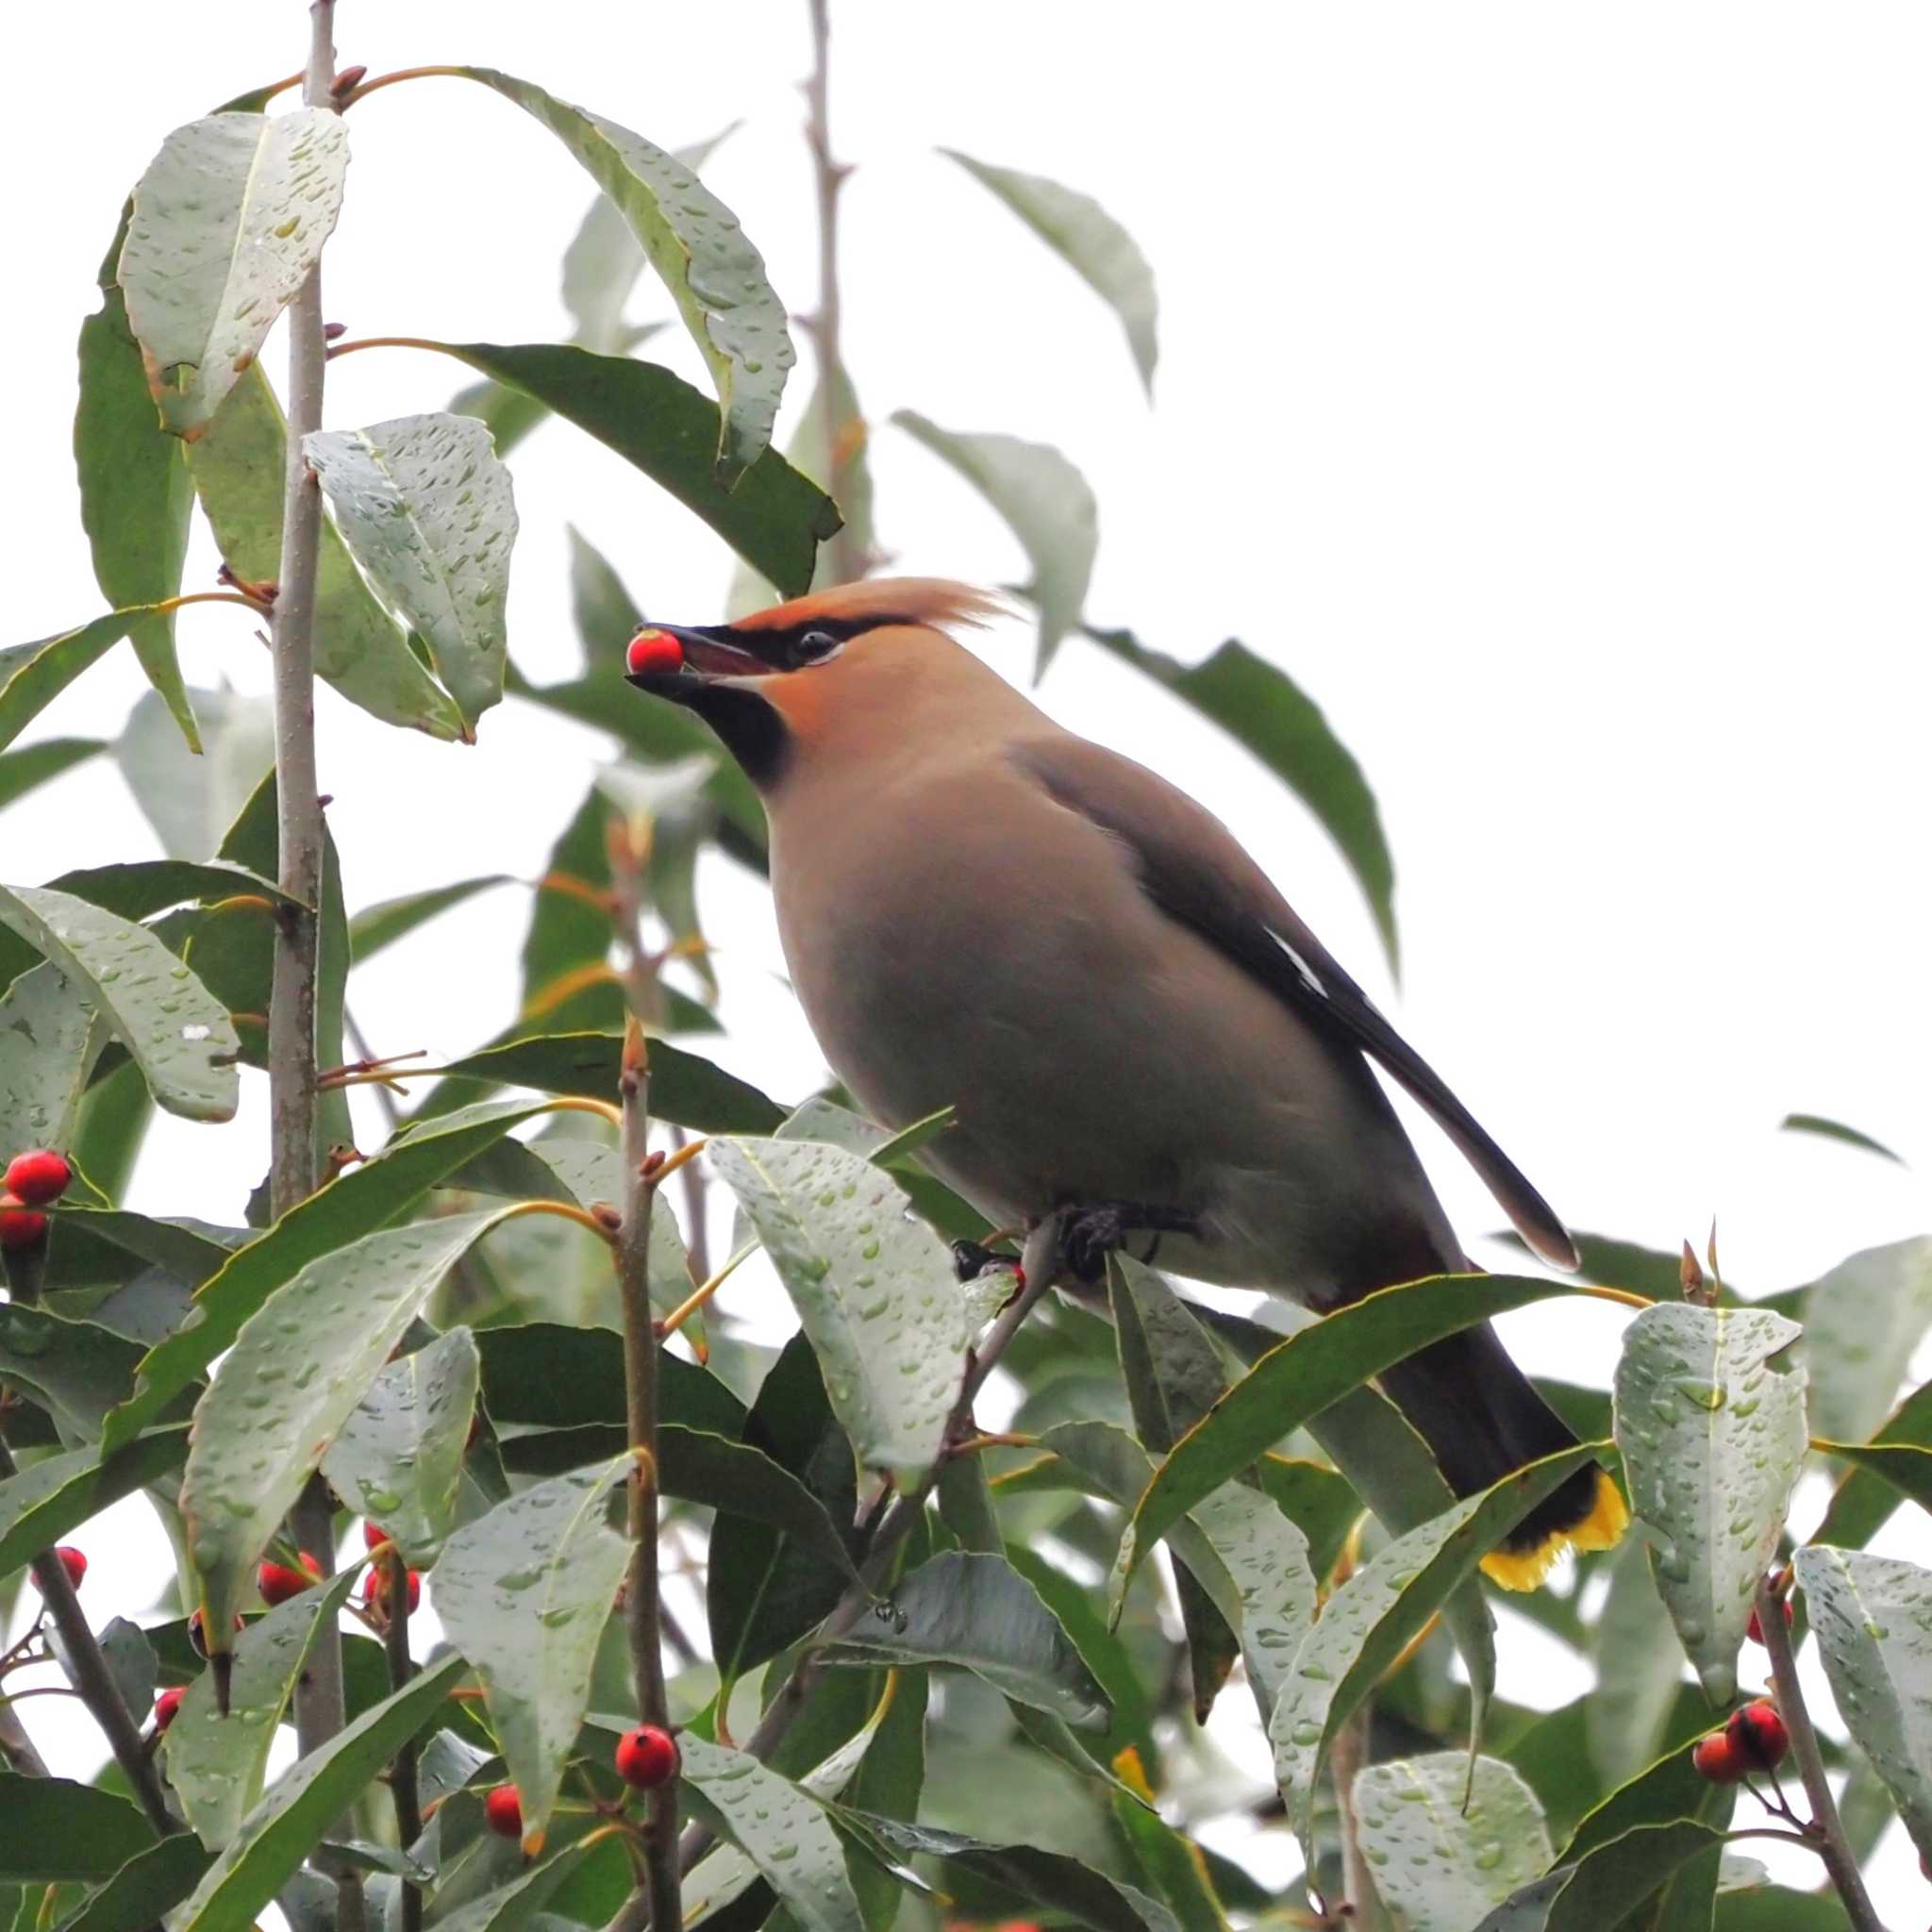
[(981, 910)]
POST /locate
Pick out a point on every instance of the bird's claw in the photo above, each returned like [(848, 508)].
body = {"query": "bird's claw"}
[(1089, 1234)]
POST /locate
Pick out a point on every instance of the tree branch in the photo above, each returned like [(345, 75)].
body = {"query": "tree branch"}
[(402, 1771), (1040, 1267), (1830, 1840), (87, 1671), (1349, 1755)]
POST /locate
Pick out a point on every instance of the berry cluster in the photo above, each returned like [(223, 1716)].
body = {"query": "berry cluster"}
[(644, 1758), (1754, 1740), (33, 1179)]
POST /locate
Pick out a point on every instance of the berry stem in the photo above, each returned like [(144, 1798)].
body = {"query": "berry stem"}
[(402, 1771), (1832, 1845), (94, 1682)]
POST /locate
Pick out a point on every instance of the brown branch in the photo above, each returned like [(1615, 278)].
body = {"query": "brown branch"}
[(1350, 1753), (402, 1771), (1826, 1832)]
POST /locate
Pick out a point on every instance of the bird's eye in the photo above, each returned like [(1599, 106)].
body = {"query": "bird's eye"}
[(815, 646)]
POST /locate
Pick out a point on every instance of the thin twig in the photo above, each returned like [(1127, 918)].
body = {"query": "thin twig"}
[(660, 1891), (1039, 1268), (1832, 1844), (844, 561), (1347, 1756), (697, 1236), (402, 1771), (87, 1671)]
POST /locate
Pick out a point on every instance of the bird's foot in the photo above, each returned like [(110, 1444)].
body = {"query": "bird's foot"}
[(1089, 1234), (972, 1259)]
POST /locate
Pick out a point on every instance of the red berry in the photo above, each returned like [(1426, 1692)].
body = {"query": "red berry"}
[(1754, 1630), (1756, 1735), (646, 1758), (1716, 1761), (22, 1227), (167, 1704), (503, 1811), (198, 1632), (376, 1589), (38, 1177), (652, 652), (74, 1561), (372, 1537), (277, 1583)]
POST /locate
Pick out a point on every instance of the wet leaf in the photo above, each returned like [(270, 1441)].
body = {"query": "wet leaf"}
[(384, 923), (57, 1830), (53, 1497), (299, 1365), (1044, 501), (1639, 1668), (1873, 1620), (1090, 241), (782, 1829), (524, 1592), (1264, 709), (192, 800), (33, 675), (1446, 1841), (228, 219), (1862, 1322), (49, 1040), (1306, 1374), (1602, 1888), (398, 1457), (875, 1291), (1266, 1558), (698, 250), (1365, 1626), (1713, 1437), (181, 1037), (977, 1611), (770, 516), (218, 1765), (278, 1835), (546, 1376), (238, 470), (429, 513)]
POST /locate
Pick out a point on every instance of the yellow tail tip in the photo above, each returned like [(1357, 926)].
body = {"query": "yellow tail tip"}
[(1609, 1518)]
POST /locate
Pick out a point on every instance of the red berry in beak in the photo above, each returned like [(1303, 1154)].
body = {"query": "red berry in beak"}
[(652, 652), (646, 1758), (38, 1177)]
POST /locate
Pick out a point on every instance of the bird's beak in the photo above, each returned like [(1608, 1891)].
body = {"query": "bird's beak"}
[(706, 656)]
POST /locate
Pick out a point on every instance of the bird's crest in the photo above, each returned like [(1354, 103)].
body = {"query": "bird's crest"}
[(878, 600)]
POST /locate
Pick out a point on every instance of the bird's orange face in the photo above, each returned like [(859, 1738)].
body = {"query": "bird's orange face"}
[(770, 680)]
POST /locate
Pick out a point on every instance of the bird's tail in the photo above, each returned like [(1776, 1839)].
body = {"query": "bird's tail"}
[(1482, 1419)]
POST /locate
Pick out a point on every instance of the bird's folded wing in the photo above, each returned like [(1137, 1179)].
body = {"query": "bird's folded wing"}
[(1194, 869)]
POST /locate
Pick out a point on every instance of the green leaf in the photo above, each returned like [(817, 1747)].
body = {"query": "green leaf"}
[(1365, 1626), (33, 675), (135, 489), (550, 1376), (49, 1040), (1862, 1321), (217, 1765), (191, 798), (1873, 1620), (782, 1829), (398, 1457), (277, 1835), (874, 1288), (524, 1592), (1833, 1130), (150, 1883), (74, 1370), (51, 1498), (1304, 1376), (430, 514), (33, 765), (1446, 1839), (1904, 1467), (58, 1830), (1668, 1788), (238, 470), (772, 516), (1265, 711), (1607, 1885), (1089, 241), (1173, 1863), (979, 1612), (1713, 1438), (354, 1204), (1638, 1666), (1031, 1877), (382, 924), (180, 1037), (685, 1088), (228, 219), (1047, 504), (1266, 1558), (700, 252), (299, 1365)]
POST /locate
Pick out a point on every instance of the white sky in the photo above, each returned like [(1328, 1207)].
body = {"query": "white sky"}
[(1543, 386)]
